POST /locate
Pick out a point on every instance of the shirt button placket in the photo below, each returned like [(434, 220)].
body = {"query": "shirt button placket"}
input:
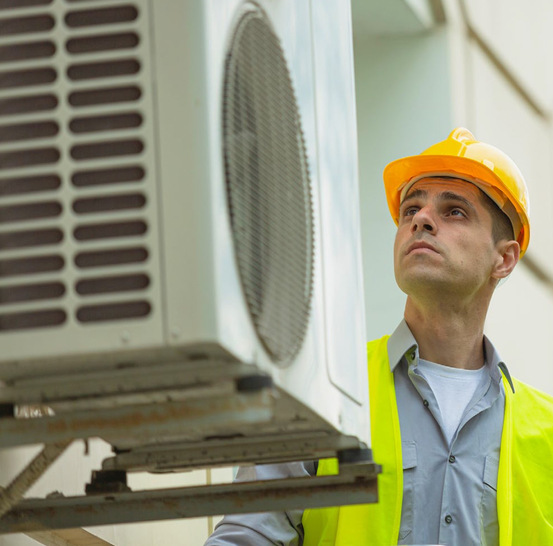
[(447, 528)]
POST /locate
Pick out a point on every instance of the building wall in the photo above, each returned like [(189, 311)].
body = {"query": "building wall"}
[(412, 90)]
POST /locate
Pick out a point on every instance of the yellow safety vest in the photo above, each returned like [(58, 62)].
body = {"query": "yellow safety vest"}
[(525, 478)]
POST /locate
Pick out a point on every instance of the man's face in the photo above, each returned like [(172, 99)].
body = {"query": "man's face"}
[(444, 240)]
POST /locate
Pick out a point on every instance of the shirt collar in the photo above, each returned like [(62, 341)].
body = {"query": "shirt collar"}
[(402, 343), (496, 363)]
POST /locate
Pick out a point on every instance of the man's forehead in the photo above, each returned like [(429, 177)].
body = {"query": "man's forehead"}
[(440, 185)]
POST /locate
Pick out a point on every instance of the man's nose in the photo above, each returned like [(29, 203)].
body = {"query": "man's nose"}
[(423, 220)]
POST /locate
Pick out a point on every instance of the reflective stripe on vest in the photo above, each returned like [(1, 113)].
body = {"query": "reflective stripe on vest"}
[(525, 479)]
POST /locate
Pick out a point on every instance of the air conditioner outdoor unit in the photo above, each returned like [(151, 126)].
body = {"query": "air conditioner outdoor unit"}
[(179, 218)]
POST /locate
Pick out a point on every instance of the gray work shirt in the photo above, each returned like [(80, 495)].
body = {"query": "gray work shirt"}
[(449, 491)]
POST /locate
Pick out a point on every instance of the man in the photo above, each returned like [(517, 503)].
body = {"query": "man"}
[(467, 452)]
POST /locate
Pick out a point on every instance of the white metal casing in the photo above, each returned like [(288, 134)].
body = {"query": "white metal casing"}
[(192, 301)]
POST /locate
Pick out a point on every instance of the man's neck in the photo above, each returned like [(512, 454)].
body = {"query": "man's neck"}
[(453, 337)]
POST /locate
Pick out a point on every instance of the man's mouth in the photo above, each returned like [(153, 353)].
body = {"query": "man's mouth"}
[(420, 246)]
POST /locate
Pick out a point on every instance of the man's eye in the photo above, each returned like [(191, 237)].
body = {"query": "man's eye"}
[(457, 212), (410, 211)]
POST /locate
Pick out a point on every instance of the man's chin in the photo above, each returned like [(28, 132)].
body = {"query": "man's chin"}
[(423, 282)]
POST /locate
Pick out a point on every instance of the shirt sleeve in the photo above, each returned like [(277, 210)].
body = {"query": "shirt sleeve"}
[(266, 528)]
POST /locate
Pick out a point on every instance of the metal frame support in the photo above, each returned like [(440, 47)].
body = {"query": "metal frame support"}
[(355, 484), (184, 428), (12, 494), (147, 422)]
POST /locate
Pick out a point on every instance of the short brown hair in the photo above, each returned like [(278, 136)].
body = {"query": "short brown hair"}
[(502, 229)]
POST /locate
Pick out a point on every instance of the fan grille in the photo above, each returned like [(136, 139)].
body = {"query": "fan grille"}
[(268, 186)]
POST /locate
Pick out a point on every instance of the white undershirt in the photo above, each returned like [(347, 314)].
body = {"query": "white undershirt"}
[(453, 389)]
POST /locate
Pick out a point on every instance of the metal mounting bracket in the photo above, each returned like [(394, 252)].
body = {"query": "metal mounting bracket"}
[(355, 484)]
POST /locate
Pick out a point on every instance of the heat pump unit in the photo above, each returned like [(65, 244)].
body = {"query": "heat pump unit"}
[(179, 217)]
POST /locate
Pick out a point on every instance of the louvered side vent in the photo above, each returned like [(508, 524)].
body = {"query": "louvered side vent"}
[(31, 234), (107, 127), (76, 187)]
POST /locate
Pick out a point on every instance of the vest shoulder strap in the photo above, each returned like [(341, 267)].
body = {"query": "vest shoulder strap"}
[(368, 524)]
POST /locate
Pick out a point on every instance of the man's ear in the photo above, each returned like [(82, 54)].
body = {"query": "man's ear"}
[(508, 254)]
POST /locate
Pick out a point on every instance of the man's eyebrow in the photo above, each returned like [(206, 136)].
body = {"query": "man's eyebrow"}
[(415, 194), (452, 196)]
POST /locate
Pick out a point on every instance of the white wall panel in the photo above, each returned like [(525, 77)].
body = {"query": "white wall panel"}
[(520, 34)]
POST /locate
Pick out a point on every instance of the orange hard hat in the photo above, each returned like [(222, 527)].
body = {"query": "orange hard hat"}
[(460, 155)]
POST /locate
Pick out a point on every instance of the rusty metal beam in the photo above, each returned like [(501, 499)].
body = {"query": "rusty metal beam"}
[(261, 449), (98, 383), (146, 422), (355, 484)]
